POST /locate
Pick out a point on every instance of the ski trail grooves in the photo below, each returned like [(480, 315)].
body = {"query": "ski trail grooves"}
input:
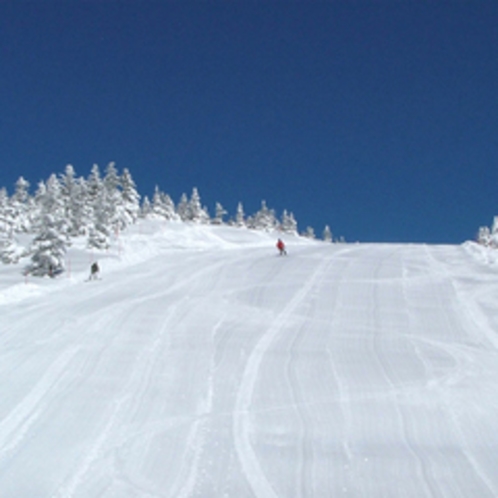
[(111, 433), (15, 426), (242, 420)]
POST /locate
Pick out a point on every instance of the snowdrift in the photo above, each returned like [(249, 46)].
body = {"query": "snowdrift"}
[(204, 364)]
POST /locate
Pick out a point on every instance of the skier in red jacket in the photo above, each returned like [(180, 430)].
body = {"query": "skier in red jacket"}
[(281, 247)]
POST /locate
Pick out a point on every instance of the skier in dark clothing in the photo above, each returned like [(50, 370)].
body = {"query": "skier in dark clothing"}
[(281, 247), (94, 271)]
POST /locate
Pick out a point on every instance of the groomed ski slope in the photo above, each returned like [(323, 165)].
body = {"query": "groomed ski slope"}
[(204, 365)]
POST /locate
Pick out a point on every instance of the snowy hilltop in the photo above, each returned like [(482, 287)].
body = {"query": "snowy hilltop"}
[(98, 207), (203, 363)]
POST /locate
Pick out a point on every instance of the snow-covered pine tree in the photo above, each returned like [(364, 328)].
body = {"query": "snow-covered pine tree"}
[(240, 217), (112, 181), (327, 234), (494, 226), (309, 233), (182, 208), (484, 236), (53, 204), (67, 187), (100, 232), (219, 213), (289, 224), (169, 207), (264, 219), (48, 201), (98, 237), (40, 194), (10, 250), (48, 250), (130, 197), (6, 213), (163, 206), (489, 237), (145, 208), (68, 180), (78, 212), (21, 206), (113, 200), (94, 185), (82, 210), (158, 209), (196, 212)]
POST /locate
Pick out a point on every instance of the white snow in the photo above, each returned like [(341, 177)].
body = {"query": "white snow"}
[(205, 365)]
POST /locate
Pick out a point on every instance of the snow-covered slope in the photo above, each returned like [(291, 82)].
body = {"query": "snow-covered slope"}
[(203, 364)]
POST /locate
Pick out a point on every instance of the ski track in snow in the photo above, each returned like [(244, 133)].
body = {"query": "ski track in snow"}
[(341, 370), (469, 315), (15, 426), (128, 402), (242, 422)]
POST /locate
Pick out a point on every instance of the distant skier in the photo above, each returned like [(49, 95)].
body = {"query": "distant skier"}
[(281, 247), (94, 271)]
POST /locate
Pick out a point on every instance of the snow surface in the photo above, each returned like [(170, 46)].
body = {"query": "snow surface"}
[(205, 365)]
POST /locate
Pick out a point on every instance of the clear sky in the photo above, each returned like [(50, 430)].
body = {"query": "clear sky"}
[(379, 118)]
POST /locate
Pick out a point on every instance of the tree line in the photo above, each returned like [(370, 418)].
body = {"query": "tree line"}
[(96, 207)]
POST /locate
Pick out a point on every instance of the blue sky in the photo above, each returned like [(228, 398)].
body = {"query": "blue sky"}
[(379, 118)]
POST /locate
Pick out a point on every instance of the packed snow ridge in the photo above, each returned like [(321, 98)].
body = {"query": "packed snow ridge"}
[(204, 364)]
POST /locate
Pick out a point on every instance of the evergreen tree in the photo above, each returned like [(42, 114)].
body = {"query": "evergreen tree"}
[(68, 182), (48, 201), (163, 206), (220, 212), (289, 224), (6, 213), (78, 213), (40, 194), (99, 237), (240, 217), (112, 181), (146, 208), (130, 197), (112, 201), (53, 204), (309, 233), (264, 219), (489, 237), (494, 226), (196, 212), (21, 193), (100, 233), (95, 185), (327, 234), (20, 206), (67, 190), (182, 208), (168, 207), (158, 208), (484, 236), (10, 250), (82, 211), (48, 249)]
